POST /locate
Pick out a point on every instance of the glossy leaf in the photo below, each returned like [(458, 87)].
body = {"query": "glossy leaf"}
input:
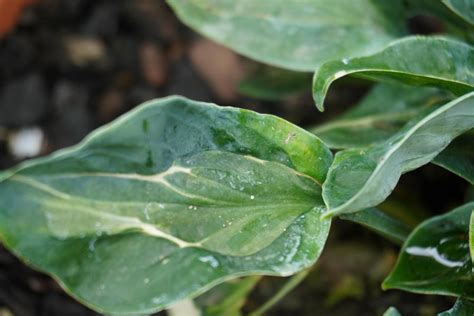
[(462, 307), (300, 36), (435, 258), (421, 61), (174, 188), (364, 177), (392, 311), (458, 157), (382, 113), (463, 8), (270, 83), (381, 223)]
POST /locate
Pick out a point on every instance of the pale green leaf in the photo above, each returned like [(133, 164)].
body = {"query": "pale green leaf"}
[(463, 8), (364, 177), (435, 258), (168, 201), (300, 35), (428, 61), (471, 235), (392, 311)]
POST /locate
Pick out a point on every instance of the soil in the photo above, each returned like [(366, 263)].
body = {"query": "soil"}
[(71, 66)]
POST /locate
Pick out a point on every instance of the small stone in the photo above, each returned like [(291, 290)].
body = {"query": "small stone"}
[(26, 143), (83, 51)]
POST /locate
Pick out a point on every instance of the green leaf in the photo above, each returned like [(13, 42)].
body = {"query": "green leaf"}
[(381, 223), (392, 311), (421, 61), (270, 83), (364, 177), (471, 235), (174, 188), (435, 258), (227, 298), (463, 8), (458, 157), (300, 36), (462, 307), (382, 113)]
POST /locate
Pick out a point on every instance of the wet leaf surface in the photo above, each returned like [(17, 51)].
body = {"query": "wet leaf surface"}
[(175, 187), (435, 258)]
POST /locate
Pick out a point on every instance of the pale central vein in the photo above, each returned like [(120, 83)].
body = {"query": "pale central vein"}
[(131, 222)]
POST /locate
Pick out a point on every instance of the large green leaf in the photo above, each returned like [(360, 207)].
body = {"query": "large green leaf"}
[(168, 201), (458, 157), (435, 258), (431, 61), (363, 177), (462, 307), (382, 113), (463, 8), (300, 35)]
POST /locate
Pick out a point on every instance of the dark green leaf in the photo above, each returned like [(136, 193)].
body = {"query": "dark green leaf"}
[(269, 83), (174, 188), (462, 307), (300, 36), (463, 8), (364, 177), (381, 223), (227, 298), (435, 258), (429, 61), (458, 157), (382, 113)]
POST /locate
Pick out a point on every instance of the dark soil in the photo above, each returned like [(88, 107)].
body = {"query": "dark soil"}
[(71, 66)]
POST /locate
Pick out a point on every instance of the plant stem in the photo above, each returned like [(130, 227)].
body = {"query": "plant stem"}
[(293, 282)]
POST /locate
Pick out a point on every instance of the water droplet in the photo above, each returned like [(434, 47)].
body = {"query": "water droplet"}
[(146, 281), (432, 252), (146, 212), (92, 244), (211, 260), (252, 197), (345, 61)]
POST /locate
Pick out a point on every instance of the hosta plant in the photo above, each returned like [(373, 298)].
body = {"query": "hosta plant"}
[(178, 196)]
